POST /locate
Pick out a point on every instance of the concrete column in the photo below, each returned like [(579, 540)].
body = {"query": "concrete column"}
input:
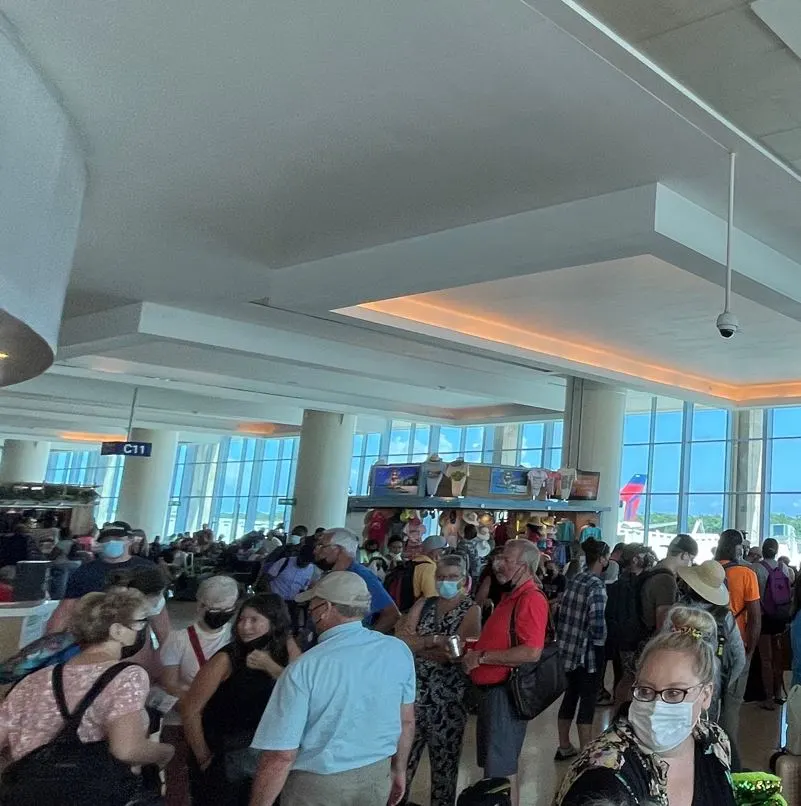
[(145, 487), (746, 473), (593, 440), (24, 460), (321, 479)]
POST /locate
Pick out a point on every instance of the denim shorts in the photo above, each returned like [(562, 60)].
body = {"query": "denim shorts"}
[(499, 733)]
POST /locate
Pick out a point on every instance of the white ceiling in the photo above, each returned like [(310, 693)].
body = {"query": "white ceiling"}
[(723, 51), (318, 157), (644, 308)]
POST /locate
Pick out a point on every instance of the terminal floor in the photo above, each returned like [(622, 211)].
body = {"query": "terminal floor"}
[(540, 774)]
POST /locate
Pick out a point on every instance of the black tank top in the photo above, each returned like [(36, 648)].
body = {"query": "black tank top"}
[(234, 711)]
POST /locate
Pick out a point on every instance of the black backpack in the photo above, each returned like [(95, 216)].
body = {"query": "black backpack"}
[(399, 584), (67, 771), (488, 792), (624, 613), (623, 619)]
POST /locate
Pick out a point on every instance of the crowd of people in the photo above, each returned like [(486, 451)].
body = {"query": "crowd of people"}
[(320, 667)]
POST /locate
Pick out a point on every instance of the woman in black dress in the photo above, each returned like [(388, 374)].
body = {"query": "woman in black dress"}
[(224, 705)]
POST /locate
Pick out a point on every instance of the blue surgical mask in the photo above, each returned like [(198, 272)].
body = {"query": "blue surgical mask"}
[(447, 588), (113, 549)]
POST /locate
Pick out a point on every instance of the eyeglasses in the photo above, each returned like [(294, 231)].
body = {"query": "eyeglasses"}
[(671, 696), (138, 624)]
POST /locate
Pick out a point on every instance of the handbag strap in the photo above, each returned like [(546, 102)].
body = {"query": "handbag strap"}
[(73, 720), (195, 643), (550, 630)]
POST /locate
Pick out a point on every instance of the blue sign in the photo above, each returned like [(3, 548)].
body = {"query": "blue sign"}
[(126, 449)]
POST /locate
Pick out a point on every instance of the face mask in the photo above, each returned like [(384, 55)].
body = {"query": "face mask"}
[(448, 588), (215, 619), (263, 642), (661, 726), (113, 549), (324, 565), (312, 611), (137, 645), (396, 555), (508, 587), (158, 607), (293, 540)]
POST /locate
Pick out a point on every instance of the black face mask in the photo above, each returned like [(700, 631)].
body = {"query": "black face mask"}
[(324, 565), (256, 643), (137, 645), (215, 619), (508, 587)]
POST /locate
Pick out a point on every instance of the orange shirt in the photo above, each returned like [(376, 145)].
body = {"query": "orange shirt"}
[(531, 621), (743, 588)]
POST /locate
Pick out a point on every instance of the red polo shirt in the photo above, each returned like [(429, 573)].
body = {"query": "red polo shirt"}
[(531, 621)]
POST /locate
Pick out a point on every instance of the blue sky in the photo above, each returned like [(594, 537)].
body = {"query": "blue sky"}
[(707, 459)]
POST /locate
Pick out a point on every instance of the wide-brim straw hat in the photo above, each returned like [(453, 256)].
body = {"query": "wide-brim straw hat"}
[(708, 580)]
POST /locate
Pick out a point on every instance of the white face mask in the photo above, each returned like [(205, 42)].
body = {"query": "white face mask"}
[(157, 607), (661, 726)]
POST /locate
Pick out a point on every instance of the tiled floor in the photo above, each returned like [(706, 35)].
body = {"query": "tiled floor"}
[(539, 774)]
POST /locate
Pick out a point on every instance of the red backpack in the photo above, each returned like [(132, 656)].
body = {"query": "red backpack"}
[(399, 584)]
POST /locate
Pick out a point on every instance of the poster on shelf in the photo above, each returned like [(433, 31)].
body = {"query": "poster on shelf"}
[(509, 481), (396, 480), (585, 486)]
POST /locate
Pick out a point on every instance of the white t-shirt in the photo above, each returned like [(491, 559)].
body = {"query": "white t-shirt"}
[(177, 650)]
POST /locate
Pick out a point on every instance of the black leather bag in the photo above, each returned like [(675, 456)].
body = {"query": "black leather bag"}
[(488, 792), (533, 687)]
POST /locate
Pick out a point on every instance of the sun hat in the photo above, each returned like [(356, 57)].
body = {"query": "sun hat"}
[(708, 580), (339, 587), (470, 517)]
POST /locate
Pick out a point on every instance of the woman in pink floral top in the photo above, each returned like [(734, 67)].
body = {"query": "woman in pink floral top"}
[(108, 627)]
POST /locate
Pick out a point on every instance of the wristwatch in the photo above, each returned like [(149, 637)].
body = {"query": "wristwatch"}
[(481, 658)]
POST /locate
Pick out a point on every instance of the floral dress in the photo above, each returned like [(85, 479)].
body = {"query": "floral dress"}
[(615, 766), (440, 711)]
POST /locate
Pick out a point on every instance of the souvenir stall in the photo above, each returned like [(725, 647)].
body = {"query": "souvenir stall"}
[(47, 506), (44, 510), (438, 497)]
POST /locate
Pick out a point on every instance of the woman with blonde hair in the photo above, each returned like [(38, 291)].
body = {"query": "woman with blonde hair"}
[(93, 697), (663, 750)]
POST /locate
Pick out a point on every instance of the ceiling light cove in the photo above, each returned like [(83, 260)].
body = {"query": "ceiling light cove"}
[(593, 358)]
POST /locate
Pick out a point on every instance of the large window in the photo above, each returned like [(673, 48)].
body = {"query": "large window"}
[(782, 518), (415, 442), (366, 452), (676, 462), (535, 444), (88, 468)]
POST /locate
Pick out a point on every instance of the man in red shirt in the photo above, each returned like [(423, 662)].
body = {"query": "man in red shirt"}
[(500, 731)]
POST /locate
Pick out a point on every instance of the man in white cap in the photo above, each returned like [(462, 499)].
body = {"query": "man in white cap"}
[(340, 722)]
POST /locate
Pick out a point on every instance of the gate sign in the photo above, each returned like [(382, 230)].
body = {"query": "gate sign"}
[(126, 449)]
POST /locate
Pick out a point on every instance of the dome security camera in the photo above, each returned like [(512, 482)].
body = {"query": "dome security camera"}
[(727, 324)]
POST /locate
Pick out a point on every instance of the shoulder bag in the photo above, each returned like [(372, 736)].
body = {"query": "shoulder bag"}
[(535, 686)]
